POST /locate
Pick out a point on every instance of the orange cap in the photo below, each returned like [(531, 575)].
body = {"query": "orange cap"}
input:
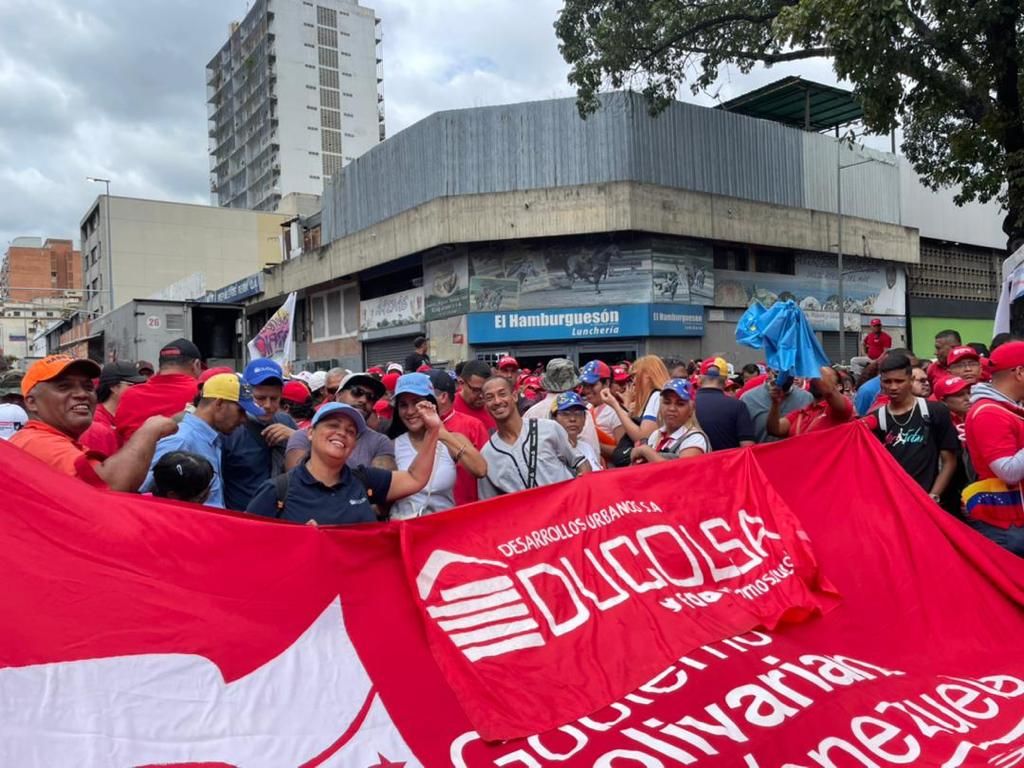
[(52, 366)]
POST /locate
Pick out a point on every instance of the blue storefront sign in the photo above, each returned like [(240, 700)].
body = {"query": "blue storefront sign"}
[(582, 323), (236, 291)]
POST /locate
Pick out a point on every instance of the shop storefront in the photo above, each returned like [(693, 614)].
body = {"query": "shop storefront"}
[(616, 332), (388, 325)]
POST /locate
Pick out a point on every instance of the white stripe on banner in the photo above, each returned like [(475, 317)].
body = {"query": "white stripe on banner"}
[(477, 588), (493, 632), (486, 617), (472, 606)]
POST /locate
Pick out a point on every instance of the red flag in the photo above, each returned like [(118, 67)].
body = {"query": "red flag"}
[(139, 632)]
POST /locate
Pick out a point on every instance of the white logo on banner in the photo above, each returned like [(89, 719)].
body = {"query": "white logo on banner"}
[(312, 701), (483, 617)]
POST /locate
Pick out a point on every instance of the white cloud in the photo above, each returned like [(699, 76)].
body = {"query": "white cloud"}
[(116, 88)]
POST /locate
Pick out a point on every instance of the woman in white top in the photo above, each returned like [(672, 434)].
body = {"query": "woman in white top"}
[(569, 410), (649, 377), (408, 431), (679, 436)]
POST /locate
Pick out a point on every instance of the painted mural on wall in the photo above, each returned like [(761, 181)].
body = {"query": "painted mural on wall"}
[(446, 283), (682, 272), (395, 309), (535, 275), (870, 287)]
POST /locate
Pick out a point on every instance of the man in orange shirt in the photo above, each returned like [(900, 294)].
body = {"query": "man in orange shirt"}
[(60, 400)]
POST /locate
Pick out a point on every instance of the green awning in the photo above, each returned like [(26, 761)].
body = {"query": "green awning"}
[(798, 102)]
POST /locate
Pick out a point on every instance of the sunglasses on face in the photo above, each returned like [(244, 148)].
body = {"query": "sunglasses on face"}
[(362, 392)]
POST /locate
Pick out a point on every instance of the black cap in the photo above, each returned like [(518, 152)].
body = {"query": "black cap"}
[(144, 365), (441, 381), (114, 373), (181, 348)]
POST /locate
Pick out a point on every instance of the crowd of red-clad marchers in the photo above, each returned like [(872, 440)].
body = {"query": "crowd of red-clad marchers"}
[(404, 440)]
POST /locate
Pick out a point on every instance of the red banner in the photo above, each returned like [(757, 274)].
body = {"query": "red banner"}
[(681, 614)]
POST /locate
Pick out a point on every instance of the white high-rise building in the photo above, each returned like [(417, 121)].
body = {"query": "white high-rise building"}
[(293, 95)]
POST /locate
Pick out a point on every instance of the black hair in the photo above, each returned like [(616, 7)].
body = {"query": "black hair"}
[(459, 366), (475, 368), (895, 362), (751, 368), (503, 380), (182, 475), (104, 391), (672, 362), (949, 333), (299, 411), (419, 341), (397, 427), (978, 347), (1001, 338)]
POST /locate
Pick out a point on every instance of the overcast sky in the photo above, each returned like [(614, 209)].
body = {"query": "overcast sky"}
[(116, 89)]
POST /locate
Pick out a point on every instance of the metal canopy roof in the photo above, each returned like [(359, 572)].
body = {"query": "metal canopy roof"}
[(798, 102)]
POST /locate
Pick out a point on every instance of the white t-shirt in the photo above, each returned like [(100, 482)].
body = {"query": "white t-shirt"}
[(589, 455), (437, 494), (653, 407), (690, 439), (606, 419)]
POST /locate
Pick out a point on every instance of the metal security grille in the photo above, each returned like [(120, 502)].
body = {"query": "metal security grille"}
[(830, 343), (955, 272), (387, 350)]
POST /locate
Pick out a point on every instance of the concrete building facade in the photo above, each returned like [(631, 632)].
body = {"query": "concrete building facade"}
[(525, 229), (152, 245), (293, 95), (37, 269)]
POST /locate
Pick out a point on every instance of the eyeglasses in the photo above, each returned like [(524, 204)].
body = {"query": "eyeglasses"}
[(362, 392)]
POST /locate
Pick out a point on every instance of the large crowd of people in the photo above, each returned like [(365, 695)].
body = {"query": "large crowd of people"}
[(408, 439)]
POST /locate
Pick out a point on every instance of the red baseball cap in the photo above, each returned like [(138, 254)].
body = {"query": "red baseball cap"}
[(714, 362), (619, 373), (876, 321), (508, 362), (949, 385), (295, 392), (1009, 355), (375, 370), (215, 371), (390, 380), (961, 353)]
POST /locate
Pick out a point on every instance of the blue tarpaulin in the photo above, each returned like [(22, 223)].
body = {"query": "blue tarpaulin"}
[(786, 337)]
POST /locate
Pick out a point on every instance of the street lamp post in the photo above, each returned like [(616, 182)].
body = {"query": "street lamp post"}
[(839, 240), (110, 249)]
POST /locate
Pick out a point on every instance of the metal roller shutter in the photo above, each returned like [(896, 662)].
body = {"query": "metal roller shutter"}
[(830, 343), (387, 351)]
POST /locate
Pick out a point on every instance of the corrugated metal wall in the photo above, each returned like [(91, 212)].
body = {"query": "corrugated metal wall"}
[(546, 144)]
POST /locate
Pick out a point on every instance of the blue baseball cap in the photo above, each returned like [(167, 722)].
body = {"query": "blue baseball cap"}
[(567, 400), (414, 384), (680, 387), (594, 371), (343, 409), (261, 371)]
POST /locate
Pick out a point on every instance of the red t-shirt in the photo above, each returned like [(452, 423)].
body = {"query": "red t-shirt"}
[(937, 371), (165, 394), (465, 491), (60, 451), (480, 415), (876, 344), (819, 415), (995, 430), (101, 437)]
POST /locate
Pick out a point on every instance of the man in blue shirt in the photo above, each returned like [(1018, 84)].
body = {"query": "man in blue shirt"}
[(254, 453), (222, 409), (725, 420)]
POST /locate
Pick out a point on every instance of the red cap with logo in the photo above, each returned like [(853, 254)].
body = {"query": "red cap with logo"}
[(876, 323), (295, 392), (961, 353), (1009, 355), (619, 373), (949, 385), (508, 362)]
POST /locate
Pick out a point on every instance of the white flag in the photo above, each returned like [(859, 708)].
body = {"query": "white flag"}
[(275, 338)]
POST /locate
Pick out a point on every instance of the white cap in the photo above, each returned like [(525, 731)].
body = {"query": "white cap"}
[(12, 418), (395, 368), (317, 380), (305, 377)]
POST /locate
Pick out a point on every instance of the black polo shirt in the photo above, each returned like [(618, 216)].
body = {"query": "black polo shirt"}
[(725, 420), (309, 499)]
